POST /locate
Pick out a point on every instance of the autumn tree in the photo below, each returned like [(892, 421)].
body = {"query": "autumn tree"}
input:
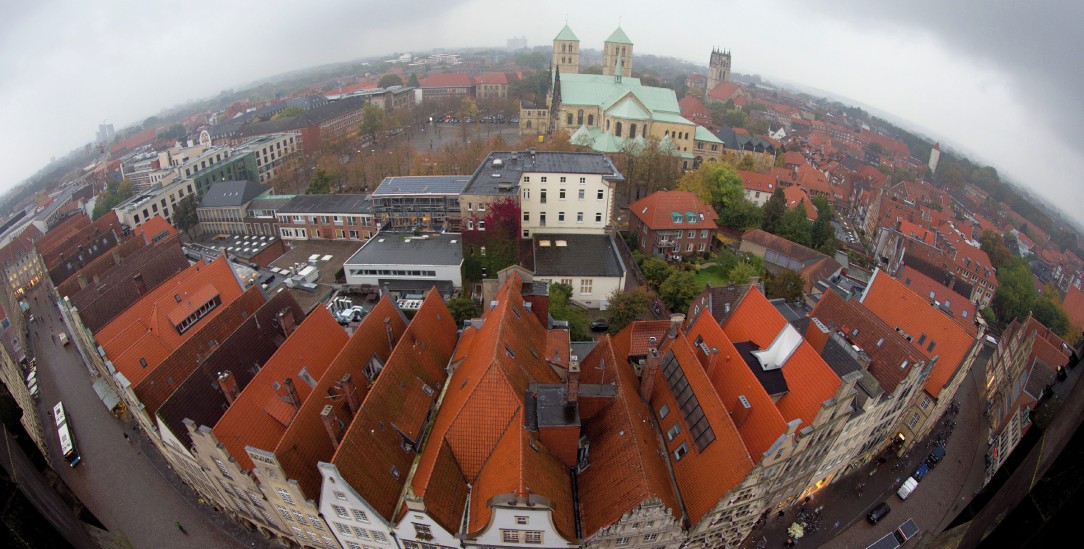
[(561, 308), (372, 120), (774, 209), (742, 273), (463, 308), (627, 306), (184, 214), (713, 183), (492, 240), (115, 192), (742, 215), (994, 246), (679, 289), (656, 271), (320, 182)]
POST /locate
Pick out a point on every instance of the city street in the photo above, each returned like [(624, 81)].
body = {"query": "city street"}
[(114, 479), (944, 491)]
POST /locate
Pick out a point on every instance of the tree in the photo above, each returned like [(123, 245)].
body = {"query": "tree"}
[(413, 81), (562, 309), (788, 285), (741, 215), (656, 271), (493, 242), (774, 209), (679, 290), (1049, 313), (795, 226), (184, 214), (742, 273), (115, 192), (1015, 296), (320, 182), (389, 80), (372, 120), (627, 306), (995, 248), (463, 308), (822, 235), (713, 183)]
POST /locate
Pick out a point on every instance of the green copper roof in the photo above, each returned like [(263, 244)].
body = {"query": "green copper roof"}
[(629, 110), (703, 134), (618, 36), (567, 34)]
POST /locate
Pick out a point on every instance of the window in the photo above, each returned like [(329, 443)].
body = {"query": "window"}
[(601, 194), (360, 515), (579, 217), (583, 180), (681, 451), (545, 179), (360, 532), (340, 511), (542, 196), (285, 496), (581, 194), (914, 421), (422, 531), (926, 401), (561, 217), (598, 218), (521, 519), (526, 194), (664, 411), (481, 224), (622, 541), (379, 536), (526, 217), (221, 467), (284, 512), (651, 537), (533, 536), (586, 286), (510, 536), (673, 431), (561, 193), (566, 281)]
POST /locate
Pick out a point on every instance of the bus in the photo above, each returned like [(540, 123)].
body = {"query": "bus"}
[(64, 431)]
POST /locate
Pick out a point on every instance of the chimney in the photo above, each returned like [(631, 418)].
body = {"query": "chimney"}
[(82, 279), (351, 391), (741, 411), (647, 377), (228, 384), (328, 419), (295, 398), (572, 392), (388, 332), (817, 334), (286, 321), (713, 360), (140, 284)]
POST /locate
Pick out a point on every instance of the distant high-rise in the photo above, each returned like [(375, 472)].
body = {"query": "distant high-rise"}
[(718, 68), (935, 155), (105, 133), (517, 43)]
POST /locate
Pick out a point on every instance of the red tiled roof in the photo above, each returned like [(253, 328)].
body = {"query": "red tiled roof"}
[(658, 210), (306, 441), (914, 231), (795, 195), (754, 181), (934, 333), (964, 312), (153, 228), (793, 158), (726, 90), (887, 350), (626, 467), (1074, 307), (61, 233), (491, 78), (447, 80), (142, 332), (397, 407), (731, 379), (261, 414), (810, 381), (558, 347), (693, 108)]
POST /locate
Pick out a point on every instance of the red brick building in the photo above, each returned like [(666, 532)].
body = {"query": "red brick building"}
[(669, 223)]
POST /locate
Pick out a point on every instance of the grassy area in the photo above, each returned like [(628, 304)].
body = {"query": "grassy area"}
[(713, 274)]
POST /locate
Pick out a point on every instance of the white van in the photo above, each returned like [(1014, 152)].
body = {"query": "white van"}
[(908, 486)]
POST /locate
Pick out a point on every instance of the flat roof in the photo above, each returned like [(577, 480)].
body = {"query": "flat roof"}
[(416, 185), (576, 255), (407, 249), (327, 203), (491, 179)]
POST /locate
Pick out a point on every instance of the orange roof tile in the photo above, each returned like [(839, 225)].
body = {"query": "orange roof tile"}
[(726, 90), (731, 378), (306, 441), (754, 181), (964, 312), (658, 210), (397, 407), (144, 332), (795, 196), (625, 465), (1074, 306), (261, 414), (810, 381), (153, 229), (558, 347), (934, 333)]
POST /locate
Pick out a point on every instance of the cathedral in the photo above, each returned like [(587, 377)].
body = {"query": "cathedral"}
[(613, 111)]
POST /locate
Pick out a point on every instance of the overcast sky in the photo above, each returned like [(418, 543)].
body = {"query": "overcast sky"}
[(1000, 81)]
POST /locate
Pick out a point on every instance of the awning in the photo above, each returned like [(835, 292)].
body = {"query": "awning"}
[(106, 393)]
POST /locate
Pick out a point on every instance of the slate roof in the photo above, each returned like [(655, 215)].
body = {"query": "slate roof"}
[(309, 118), (407, 249), (101, 302), (514, 164), (584, 255), (350, 204), (99, 266), (379, 332), (261, 415), (232, 194), (660, 210), (199, 398), (934, 334), (142, 334), (401, 399)]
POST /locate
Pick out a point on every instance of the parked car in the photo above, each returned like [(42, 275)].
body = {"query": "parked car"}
[(920, 472), (63, 337), (600, 325), (879, 512), (935, 456), (907, 489)]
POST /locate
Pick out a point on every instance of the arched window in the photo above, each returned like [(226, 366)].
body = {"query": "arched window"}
[(569, 118), (617, 129), (564, 48), (632, 130), (667, 134), (590, 120), (579, 118)]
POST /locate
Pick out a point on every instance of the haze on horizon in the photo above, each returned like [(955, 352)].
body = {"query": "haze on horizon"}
[(992, 80)]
